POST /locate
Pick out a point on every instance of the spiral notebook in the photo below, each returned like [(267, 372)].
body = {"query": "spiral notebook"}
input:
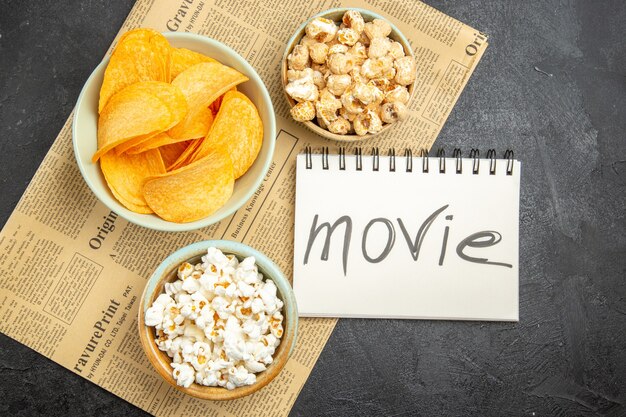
[(421, 237)]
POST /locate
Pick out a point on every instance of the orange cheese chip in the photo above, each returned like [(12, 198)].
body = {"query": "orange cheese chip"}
[(237, 129), (133, 112), (138, 112), (192, 192), (194, 127), (154, 142), (171, 152), (183, 158), (173, 98), (183, 58), (140, 55), (168, 94), (215, 106), (202, 84), (158, 43), (138, 33), (125, 175)]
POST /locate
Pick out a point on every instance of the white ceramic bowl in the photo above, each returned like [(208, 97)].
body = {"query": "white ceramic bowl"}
[(85, 123)]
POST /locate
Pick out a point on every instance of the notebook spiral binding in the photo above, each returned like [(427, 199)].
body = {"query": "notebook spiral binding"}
[(408, 156)]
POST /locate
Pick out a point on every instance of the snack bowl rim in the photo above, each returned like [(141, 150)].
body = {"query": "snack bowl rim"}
[(91, 173), (166, 272), (368, 15)]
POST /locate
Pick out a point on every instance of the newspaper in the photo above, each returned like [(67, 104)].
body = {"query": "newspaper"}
[(72, 271)]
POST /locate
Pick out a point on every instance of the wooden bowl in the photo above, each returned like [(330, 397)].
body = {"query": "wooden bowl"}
[(167, 272), (336, 15)]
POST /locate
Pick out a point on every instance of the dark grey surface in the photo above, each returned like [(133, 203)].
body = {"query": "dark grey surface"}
[(566, 356)]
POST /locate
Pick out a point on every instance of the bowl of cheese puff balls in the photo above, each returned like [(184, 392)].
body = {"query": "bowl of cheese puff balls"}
[(348, 74)]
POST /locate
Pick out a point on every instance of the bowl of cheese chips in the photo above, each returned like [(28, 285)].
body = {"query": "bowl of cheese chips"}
[(173, 131)]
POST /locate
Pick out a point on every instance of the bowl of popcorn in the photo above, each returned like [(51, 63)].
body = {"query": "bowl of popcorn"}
[(348, 74), (218, 320)]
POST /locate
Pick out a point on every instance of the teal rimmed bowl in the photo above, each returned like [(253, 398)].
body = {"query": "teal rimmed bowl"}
[(167, 272)]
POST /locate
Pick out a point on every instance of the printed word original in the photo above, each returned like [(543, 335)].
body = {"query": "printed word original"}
[(108, 226)]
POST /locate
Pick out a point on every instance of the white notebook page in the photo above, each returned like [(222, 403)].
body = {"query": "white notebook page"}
[(463, 265)]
